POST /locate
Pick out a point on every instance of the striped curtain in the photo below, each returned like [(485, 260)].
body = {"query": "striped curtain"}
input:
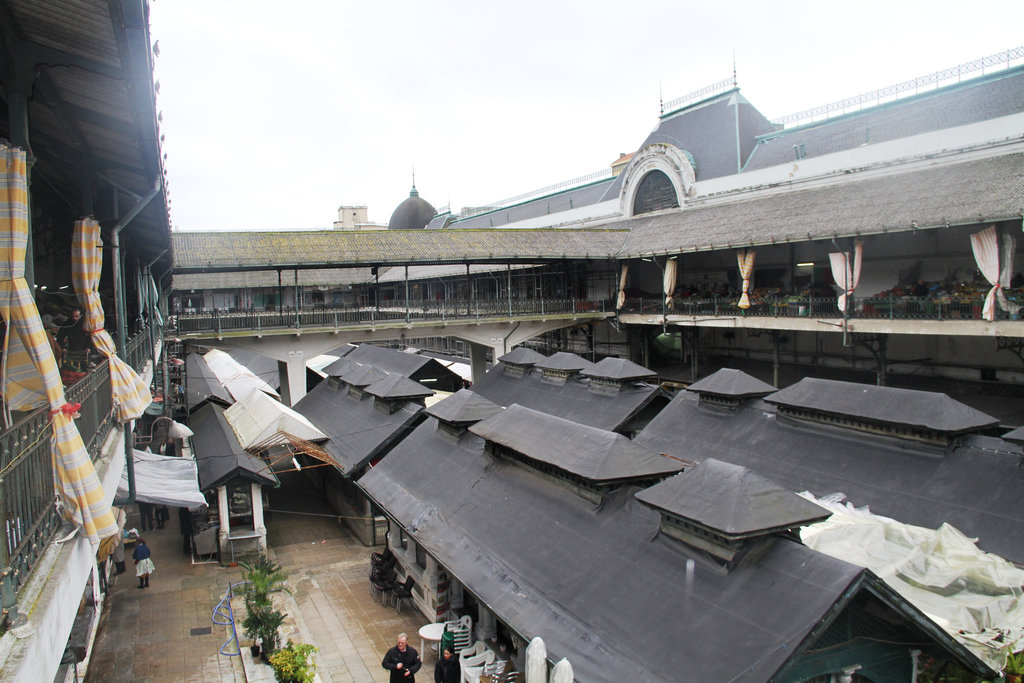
[(621, 301), (745, 259), (985, 245), (129, 393), (670, 280), (30, 376), (845, 272)]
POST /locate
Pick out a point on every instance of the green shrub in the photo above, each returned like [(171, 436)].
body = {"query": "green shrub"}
[(293, 663)]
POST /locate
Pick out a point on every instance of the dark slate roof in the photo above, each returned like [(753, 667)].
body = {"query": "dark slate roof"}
[(572, 400), (974, 485), (463, 407), (732, 500), (264, 367), (600, 585), (867, 203), (980, 99), (396, 386), (339, 367), (1016, 436), (618, 368), (730, 382), (563, 360), (202, 384), (220, 459), (707, 130), (595, 454), (522, 355), (362, 375), (556, 202), (357, 431), (412, 214), (199, 251), (924, 409), (395, 361)]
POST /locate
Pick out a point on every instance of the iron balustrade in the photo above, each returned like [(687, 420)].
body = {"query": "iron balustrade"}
[(442, 311), (876, 308), (28, 512)]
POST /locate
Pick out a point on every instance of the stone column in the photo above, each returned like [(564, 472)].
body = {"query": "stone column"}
[(257, 516)]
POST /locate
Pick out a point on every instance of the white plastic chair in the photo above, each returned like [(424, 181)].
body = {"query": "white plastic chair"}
[(473, 665)]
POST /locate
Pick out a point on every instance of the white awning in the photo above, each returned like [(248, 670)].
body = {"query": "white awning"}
[(256, 419), (164, 480), (236, 378)]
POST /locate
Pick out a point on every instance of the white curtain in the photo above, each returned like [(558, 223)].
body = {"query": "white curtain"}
[(846, 272), (670, 280), (622, 287), (985, 245), (745, 259)]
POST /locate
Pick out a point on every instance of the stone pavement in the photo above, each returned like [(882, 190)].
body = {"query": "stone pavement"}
[(165, 632)]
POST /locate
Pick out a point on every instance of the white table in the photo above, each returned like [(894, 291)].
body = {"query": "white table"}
[(430, 633)]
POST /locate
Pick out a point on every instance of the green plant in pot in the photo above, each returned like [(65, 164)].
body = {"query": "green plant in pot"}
[(262, 579), (261, 624), (1014, 666), (294, 663)]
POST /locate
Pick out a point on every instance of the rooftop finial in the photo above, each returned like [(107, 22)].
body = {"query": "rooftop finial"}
[(413, 192), (661, 100), (734, 67)]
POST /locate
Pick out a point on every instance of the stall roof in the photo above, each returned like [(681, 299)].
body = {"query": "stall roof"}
[(730, 382), (203, 385), (595, 454), (618, 369), (522, 355), (463, 407), (600, 585), (362, 375), (357, 432), (164, 480), (259, 420), (972, 484), (924, 409), (396, 386), (573, 400), (392, 361), (564, 361), (236, 378), (220, 458), (732, 500)]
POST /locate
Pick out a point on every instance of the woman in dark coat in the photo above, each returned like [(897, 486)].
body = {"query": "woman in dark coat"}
[(143, 565), (447, 669)]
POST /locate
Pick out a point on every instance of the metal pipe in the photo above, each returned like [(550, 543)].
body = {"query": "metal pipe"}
[(119, 305)]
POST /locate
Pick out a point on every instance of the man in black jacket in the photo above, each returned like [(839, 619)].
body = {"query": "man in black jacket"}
[(402, 661)]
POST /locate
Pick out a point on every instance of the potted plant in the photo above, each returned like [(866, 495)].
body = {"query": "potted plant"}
[(294, 663), (261, 624), (262, 579), (1014, 667)]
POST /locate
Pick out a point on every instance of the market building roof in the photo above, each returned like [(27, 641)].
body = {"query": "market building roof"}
[(970, 483), (464, 407), (620, 369), (539, 577), (219, 457), (396, 386), (260, 421), (202, 384), (731, 383)]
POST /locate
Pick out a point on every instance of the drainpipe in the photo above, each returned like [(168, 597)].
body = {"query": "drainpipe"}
[(119, 306)]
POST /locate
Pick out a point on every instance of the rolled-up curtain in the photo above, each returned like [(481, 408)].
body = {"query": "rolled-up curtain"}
[(745, 259), (154, 299), (670, 280), (30, 375), (621, 301), (845, 272), (985, 245), (129, 393)]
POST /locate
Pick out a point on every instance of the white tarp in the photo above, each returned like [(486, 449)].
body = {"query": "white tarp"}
[(256, 419), (236, 378), (164, 480), (975, 596), (318, 363)]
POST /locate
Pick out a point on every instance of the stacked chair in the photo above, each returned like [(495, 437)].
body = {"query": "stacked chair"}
[(383, 574), (402, 591)]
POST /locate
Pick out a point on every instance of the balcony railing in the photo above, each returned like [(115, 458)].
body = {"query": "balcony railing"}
[(442, 311), (28, 514), (876, 308)]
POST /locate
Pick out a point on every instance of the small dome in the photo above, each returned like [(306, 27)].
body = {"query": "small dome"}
[(412, 214)]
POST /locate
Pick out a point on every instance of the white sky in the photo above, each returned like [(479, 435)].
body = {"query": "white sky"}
[(275, 113)]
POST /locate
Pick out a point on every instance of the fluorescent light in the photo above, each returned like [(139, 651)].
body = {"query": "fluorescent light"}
[(808, 263), (296, 463)]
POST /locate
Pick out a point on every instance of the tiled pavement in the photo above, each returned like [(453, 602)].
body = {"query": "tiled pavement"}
[(165, 632)]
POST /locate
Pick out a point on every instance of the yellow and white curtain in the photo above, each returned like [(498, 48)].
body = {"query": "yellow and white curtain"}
[(30, 376), (130, 394), (621, 301), (745, 259), (846, 271), (996, 267), (670, 280)]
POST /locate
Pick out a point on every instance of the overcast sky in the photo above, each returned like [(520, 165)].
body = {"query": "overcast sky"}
[(277, 113)]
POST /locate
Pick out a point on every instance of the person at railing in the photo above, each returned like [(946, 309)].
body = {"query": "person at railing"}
[(75, 340), (919, 289)]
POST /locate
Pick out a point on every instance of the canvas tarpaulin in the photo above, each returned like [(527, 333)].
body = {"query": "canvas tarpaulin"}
[(164, 480), (30, 376), (259, 420)]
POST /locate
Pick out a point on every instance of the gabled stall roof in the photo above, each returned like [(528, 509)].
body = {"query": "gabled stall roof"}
[(235, 377), (203, 385), (886, 405), (565, 362), (972, 485), (731, 383), (522, 355), (260, 421), (601, 585), (463, 407), (396, 386), (357, 432), (591, 453), (618, 369), (362, 375), (220, 458)]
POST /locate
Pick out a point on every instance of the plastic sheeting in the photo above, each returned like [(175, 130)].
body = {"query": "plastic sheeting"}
[(235, 377), (164, 480), (975, 596), (257, 419)]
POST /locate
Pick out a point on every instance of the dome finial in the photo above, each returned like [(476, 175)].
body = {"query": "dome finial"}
[(413, 192)]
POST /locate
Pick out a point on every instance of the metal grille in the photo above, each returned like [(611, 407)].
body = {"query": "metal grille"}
[(654, 193)]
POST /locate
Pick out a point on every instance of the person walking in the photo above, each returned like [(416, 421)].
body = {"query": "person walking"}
[(143, 565), (402, 661), (447, 669), (146, 516)]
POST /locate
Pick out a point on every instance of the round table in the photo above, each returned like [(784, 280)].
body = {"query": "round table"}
[(430, 633)]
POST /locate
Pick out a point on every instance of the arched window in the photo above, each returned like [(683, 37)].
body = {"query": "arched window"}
[(655, 192)]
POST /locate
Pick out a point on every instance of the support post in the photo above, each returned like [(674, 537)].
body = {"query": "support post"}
[(257, 516)]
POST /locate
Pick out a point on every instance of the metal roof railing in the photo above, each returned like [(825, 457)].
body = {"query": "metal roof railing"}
[(579, 181)]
